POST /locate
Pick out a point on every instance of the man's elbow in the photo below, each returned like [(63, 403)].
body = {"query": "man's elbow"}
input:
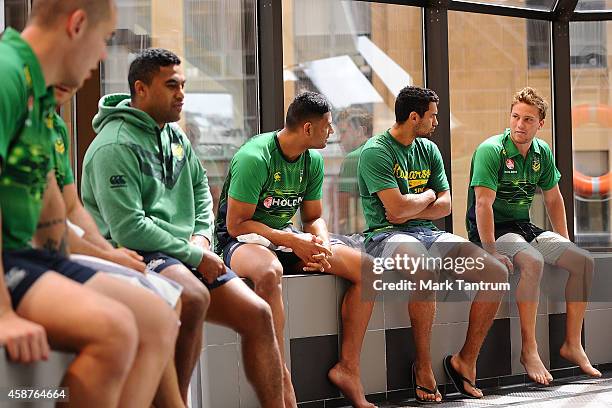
[(448, 209), (483, 205), (233, 228)]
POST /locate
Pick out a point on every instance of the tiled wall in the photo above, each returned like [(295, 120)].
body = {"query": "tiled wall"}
[(312, 336)]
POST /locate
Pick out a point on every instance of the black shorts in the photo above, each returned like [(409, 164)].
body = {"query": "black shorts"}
[(158, 261), (523, 228), (289, 260), (23, 267)]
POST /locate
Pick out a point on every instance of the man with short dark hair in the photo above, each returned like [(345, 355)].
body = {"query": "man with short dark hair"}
[(272, 176), (404, 188), (147, 191), (121, 348), (506, 170), (354, 126)]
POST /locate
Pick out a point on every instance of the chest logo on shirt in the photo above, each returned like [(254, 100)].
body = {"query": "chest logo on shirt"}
[(282, 202), (177, 151), (277, 178), (59, 146), (417, 179), (301, 175), (510, 164), (535, 165)]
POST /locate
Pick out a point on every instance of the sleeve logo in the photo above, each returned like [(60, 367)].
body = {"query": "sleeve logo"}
[(59, 146), (117, 181)]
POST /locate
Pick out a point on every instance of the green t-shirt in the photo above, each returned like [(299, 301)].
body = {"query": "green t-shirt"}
[(347, 178), (260, 174), (61, 153), (385, 163), (498, 165), (26, 119)]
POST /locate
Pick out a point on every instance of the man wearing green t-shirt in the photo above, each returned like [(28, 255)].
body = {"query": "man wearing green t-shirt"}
[(354, 128), (506, 170), (403, 188), (43, 295), (271, 177)]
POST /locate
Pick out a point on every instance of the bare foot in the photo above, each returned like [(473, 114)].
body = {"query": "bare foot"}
[(288, 392), (349, 383), (535, 368), (576, 355), (425, 378), (468, 372)]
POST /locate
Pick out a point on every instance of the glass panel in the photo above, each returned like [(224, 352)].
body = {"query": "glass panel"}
[(220, 110), (545, 5), (359, 55), (13, 13), (591, 121), (490, 58), (594, 5)]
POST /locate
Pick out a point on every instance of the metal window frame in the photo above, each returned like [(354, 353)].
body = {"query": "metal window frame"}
[(435, 49)]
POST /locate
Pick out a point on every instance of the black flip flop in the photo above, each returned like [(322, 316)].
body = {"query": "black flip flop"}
[(416, 387), (457, 378)]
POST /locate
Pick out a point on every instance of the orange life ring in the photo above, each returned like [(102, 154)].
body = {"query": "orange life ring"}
[(586, 186)]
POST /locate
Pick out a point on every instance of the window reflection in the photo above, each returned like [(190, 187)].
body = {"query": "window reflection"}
[(359, 55)]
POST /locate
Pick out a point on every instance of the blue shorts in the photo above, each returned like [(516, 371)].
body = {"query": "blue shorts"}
[(426, 236), (23, 267), (289, 260), (158, 261)]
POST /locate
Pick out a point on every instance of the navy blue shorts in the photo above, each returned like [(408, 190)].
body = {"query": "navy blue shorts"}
[(288, 260), (23, 267), (158, 261)]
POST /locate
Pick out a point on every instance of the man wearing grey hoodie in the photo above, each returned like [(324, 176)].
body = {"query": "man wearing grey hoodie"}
[(147, 191)]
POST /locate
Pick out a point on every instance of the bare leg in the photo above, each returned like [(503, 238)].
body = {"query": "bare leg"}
[(234, 305), (482, 312), (531, 266), (100, 330), (580, 267), (349, 264), (422, 311), (195, 301), (168, 393), (157, 327), (263, 268)]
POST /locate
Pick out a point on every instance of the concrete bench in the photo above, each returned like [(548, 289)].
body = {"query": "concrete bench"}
[(313, 328), (38, 375)]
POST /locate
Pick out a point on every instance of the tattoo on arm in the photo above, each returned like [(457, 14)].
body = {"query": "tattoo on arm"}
[(60, 247), (50, 223)]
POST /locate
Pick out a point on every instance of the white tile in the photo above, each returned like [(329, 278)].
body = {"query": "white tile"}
[(598, 335), (313, 309), (373, 363)]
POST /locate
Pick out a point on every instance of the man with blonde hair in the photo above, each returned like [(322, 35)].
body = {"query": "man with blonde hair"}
[(506, 170)]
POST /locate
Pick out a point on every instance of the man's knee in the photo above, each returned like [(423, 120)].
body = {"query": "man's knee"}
[(162, 327), (258, 319), (267, 281), (531, 266), (116, 334), (195, 301), (195, 298), (495, 272)]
